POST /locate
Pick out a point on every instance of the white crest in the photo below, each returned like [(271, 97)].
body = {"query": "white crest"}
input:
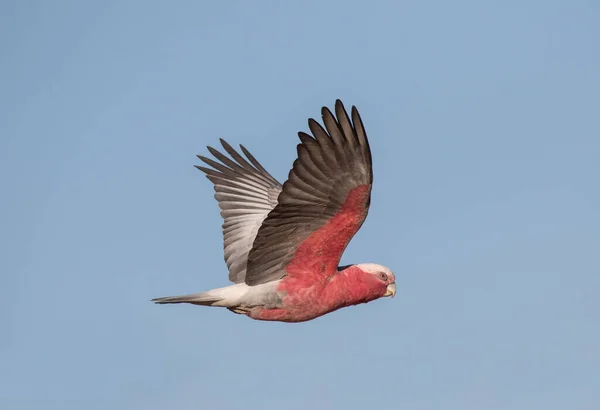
[(374, 268)]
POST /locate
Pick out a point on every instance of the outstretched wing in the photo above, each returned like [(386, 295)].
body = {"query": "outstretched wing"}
[(246, 193), (322, 205)]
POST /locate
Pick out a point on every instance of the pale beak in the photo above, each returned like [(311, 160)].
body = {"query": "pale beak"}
[(391, 290)]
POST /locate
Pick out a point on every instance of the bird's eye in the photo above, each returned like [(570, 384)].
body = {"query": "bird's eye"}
[(382, 276)]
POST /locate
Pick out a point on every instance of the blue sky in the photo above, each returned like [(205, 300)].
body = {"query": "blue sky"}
[(483, 120)]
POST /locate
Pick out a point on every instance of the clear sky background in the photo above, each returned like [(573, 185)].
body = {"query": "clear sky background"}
[(484, 124)]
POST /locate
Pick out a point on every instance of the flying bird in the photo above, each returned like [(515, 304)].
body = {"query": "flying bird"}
[(283, 243)]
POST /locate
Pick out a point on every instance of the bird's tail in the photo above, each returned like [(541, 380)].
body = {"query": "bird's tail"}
[(203, 299)]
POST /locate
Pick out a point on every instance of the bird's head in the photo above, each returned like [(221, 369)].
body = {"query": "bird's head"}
[(380, 277)]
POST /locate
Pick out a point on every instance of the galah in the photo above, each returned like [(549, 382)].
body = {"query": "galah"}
[(283, 243)]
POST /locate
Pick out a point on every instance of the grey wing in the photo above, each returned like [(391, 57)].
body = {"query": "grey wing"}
[(246, 193), (322, 205)]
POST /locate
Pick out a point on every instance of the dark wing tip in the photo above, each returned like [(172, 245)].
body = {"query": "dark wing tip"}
[(355, 114), (208, 172), (212, 151), (328, 116), (325, 111), (226, 145), (203, 158), (304, 137), (204, 169)]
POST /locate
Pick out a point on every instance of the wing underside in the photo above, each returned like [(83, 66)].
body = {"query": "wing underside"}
[(246, 193)]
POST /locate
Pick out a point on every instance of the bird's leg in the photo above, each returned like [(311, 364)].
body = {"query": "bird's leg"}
[(239, 310)]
